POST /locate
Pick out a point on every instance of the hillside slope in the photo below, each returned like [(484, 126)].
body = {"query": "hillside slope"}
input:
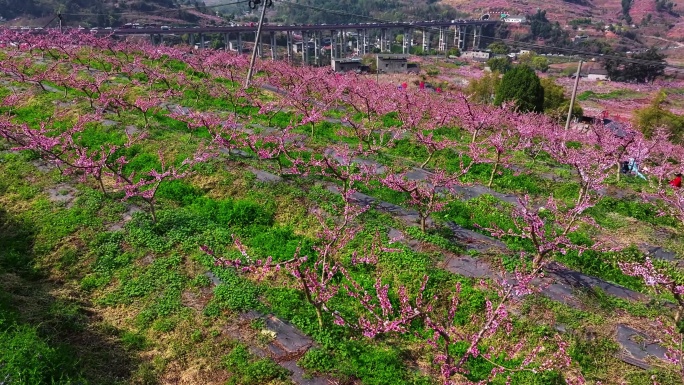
[(660, 22), (100, 13)]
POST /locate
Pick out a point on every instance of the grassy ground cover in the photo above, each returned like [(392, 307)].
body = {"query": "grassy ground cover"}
[(131, 303)]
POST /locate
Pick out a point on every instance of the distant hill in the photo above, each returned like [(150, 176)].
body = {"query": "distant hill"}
[(343, 11), (598, 26), (630, 19), (601, 25), (102, 13)]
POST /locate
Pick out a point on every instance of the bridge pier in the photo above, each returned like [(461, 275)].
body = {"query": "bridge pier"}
[(226, 41), (317, 52), (364, 49), (305, 46), (442, 40), (477, 31), (426, 42), (273, 46), (338, 43), (408, 39), (201, 41), (191, 40), (333, 45), (289, 46), (344, 43), (358, 42), (259, 46), (461, 37), (389, 38), (239, 42)]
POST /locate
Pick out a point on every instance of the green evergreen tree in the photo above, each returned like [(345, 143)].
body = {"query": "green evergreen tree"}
[(521, 86), (499, 48), (501, 64)]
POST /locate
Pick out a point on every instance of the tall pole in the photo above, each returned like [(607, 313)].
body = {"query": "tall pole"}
[(574, 93), (256, 43)]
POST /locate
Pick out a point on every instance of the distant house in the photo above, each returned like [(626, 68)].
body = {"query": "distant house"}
[(207, 44), (594, 72), (344, 65), (476, 55), (392, 63), (299, 47), (233, 45), (597, 74), (515, 19)]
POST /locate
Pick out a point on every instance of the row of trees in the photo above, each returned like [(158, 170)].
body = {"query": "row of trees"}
[(503, 63), (117, 79), (637, 68)]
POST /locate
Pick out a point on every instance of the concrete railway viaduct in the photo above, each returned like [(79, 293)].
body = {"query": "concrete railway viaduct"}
[(465, 33)]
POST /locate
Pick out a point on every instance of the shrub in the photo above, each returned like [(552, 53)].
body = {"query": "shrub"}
[(523, 87)]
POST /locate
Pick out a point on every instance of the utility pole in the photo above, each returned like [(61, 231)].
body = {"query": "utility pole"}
[(574, 92), (59, 15), (257, 41)]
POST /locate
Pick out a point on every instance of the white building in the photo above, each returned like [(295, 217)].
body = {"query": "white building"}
[(597, 74), (476, 55), (515, 19), (594, 72)]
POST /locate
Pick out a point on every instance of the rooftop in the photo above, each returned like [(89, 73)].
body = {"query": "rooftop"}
[(348, 60), (393, 57), (593, 69)]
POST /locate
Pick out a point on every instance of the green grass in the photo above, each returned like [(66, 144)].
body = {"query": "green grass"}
[(150, 277), (615, 94), (248, 370)]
